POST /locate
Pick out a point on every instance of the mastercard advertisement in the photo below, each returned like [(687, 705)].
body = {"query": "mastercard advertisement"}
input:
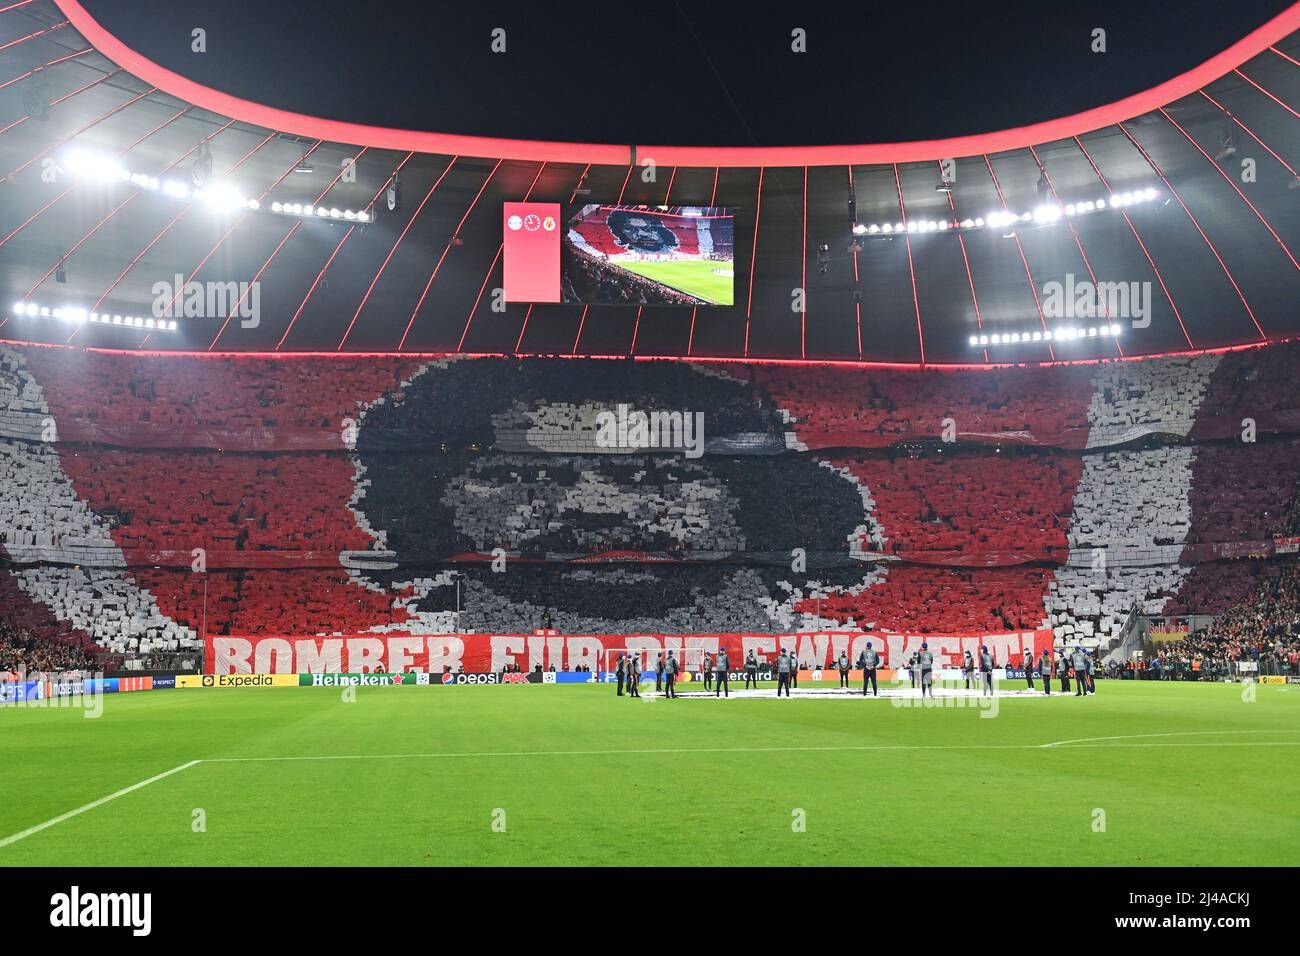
[(531, 251)]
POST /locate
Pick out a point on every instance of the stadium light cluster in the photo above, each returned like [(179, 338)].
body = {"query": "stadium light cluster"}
[(1067, 334), (999, 219), (107, 169), (308, 211), (220, 197), (80, 316)]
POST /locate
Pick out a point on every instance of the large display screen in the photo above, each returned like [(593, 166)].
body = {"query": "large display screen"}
[(649, 255)]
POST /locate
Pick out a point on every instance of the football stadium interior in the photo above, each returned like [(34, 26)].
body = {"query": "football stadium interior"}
[(267, 421)]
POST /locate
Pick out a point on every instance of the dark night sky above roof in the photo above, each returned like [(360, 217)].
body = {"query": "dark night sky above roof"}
[(717, 73), (1217, 254)]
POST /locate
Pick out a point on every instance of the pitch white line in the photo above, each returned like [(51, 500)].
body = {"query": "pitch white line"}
[(22, 835), (728, 750), (1086, 742), (1083, 742), (1187, 733)]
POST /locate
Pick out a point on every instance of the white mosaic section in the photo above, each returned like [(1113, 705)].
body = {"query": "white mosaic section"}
[(1133, 399), (1131, 517)]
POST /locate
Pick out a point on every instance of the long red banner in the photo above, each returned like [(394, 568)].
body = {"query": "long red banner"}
[(482, 653)]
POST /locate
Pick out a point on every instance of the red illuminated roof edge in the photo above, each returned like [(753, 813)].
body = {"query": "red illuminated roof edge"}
[(692, 360), (359, 134)]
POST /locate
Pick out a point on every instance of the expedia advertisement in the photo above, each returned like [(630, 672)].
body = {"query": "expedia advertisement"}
[(237, 680)]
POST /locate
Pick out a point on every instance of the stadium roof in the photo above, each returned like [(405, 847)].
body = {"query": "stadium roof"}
[(1213, 240)]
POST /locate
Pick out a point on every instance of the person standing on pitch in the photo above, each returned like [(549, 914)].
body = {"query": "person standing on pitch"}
[(794, 667), (986, 669), (1080, 664), (1063, 663), (708, 671), (968, 671), (870, 660), (925, 661), (619, 672), (634, 675), (843, 665), (1029, 668), (722, 683), (659, 673), (783, 674), (1045, 670), (670, 676), (1090, 670), (751, 671)]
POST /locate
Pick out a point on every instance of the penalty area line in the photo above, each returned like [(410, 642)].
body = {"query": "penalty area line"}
[(23, 834)]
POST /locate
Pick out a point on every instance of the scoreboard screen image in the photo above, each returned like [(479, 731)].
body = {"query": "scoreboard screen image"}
[(612, 254), (650, 255)]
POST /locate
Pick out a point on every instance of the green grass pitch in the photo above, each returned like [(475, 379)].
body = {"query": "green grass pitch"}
[(1184, 773), (692, 276)]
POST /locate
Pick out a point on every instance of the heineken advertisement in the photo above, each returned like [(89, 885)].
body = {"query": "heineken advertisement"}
[(360, 680)]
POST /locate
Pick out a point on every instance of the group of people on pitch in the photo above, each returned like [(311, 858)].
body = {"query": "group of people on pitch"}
[(717, 672), (1079, 663), (786, 667), (627, 670), (920, 666)]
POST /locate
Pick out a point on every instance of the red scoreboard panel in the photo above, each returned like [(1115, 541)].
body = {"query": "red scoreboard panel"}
[(532, 251)]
